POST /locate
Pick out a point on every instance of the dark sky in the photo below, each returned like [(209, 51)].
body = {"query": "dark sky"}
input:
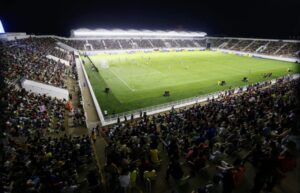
[(256, 18)]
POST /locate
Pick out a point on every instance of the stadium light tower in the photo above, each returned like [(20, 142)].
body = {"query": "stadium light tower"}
[(1, 28)]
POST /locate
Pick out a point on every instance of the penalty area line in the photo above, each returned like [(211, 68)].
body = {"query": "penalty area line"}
[(122, 80)]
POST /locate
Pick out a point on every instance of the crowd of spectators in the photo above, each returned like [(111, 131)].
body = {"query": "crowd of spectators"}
[(258, 121), (171, 43), (40, 164), (279, 48), (29, 113), (231, 43), (216, 42), (242, 45), (114, 44), (31, 160), (27, 59), (77, 111), (79, 118), (60, 54), (77, 44), (290, 49), (282, 48), (143, 43), (126, 43), (185, 43), (200, 43), (273, 46), (97, 44), (254, 46), (111, 44)]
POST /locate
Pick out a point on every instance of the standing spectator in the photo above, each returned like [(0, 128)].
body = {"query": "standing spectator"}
[(124, 179), (97, 129), (132, 116), (93, 136)]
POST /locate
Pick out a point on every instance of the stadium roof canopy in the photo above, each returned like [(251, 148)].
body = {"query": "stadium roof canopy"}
[(133, 33)]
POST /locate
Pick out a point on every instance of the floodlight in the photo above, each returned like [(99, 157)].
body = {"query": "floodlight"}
[(1, 28), (135, 33)]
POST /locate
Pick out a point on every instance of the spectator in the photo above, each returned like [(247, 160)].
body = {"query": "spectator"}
[(124, 179)]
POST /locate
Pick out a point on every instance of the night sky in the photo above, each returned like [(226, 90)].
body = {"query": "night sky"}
[(257, 18)]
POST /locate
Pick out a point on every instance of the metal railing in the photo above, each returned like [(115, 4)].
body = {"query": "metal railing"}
[(165, 106), (109, 119)]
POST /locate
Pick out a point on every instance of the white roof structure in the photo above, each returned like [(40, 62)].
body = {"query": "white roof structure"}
[(41, 88), (133, 33)]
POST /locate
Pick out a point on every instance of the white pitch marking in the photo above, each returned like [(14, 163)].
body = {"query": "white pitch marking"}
[(122, 80)]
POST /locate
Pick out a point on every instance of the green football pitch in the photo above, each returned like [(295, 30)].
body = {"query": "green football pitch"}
[(139, 80)]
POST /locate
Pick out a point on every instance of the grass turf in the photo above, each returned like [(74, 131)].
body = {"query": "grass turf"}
[(139, 79)]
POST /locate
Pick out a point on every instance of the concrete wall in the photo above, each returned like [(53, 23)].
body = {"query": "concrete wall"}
[(40, 88)]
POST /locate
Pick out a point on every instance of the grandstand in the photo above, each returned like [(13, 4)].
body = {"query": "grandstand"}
[(95, 42), (141, 110)]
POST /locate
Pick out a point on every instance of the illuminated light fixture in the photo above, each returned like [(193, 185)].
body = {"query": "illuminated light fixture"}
[(134, 33), (1, 28)]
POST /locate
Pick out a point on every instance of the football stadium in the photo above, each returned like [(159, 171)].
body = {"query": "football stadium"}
[(119, 110), (154, 71)]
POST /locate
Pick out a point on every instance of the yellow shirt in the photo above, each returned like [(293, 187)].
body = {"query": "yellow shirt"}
[(133, 175), (94, 137), (151, 175), (154, 155)]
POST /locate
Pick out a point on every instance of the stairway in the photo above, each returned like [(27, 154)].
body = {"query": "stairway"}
[(104, 45), (248, 45), (280, 48), (120, 44), (151, 43)]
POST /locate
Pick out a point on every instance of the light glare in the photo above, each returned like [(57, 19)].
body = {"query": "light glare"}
[(142, 33), (1, 28)]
